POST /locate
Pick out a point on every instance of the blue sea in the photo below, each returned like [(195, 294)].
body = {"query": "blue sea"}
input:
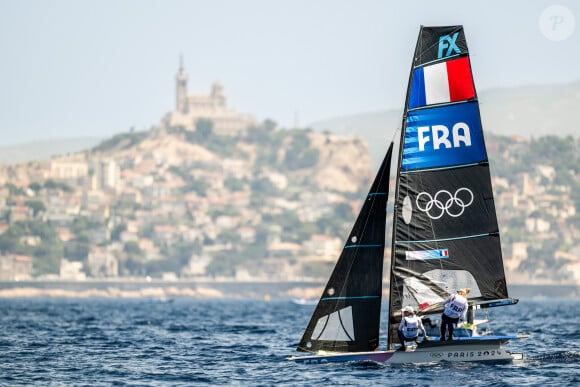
[(190, 342)]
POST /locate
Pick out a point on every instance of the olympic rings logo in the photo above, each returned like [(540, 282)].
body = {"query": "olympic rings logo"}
[(445, 203)]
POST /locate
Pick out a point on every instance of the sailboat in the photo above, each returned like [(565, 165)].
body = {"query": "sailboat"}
[(445, 234)]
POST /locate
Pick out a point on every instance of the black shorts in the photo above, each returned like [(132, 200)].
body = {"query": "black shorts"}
[(447, 319)]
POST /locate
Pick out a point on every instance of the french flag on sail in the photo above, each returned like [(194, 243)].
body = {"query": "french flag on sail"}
[(449, 81), (423, 255)]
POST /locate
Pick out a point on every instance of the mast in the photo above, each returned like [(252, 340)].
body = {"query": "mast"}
[(399, 160)]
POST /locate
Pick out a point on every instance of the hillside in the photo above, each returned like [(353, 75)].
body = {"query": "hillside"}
[(44, 149), (304, 158), (179, 203)]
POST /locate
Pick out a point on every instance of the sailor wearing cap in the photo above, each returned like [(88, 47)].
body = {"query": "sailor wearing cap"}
[(409, 327), (455, 310)]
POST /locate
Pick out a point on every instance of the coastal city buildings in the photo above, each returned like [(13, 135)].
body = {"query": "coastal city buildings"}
[(275, 205)]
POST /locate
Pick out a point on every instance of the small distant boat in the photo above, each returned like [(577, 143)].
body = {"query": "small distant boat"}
[(445, 231), (304, 301), (160, 300)]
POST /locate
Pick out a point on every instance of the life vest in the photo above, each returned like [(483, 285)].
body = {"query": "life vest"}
[(410, 327), (456, 306)]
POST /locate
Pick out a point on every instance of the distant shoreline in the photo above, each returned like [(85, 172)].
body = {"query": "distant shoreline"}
[(157, 289)]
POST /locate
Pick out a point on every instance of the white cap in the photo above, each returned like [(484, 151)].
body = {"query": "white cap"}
[(408, 309)]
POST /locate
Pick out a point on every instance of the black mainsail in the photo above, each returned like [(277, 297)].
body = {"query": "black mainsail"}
[(347, 317), (445, 231)]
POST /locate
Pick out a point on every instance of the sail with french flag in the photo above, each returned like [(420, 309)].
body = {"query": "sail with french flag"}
[(443, 82)]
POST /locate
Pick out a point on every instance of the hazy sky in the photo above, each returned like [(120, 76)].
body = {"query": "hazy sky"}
[(96, 68)]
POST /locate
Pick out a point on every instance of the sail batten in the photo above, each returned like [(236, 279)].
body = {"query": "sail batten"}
[(362, 246), (447, 239), (441, 168), (439, 60), (347, 298)]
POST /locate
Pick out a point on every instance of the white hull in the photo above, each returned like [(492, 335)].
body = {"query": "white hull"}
[(480, 350)]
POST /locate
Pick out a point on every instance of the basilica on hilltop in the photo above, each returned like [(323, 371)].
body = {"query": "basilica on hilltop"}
[(190, 108)]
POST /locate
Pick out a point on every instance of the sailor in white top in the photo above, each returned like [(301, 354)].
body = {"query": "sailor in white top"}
[(410, 327), (455, 310)]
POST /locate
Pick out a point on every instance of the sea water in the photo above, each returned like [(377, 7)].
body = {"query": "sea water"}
[(188, 341)]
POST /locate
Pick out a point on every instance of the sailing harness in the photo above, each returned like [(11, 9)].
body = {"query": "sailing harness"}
[(410, 327), (456, 307)]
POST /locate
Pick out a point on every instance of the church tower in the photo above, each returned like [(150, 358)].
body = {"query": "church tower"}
[(181, 103), (217, 96)]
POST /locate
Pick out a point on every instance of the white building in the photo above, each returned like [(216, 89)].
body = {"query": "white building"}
[(71, 270), (102, 263), (68, 168)]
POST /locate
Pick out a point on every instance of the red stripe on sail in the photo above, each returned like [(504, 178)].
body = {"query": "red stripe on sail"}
[(460, 79)]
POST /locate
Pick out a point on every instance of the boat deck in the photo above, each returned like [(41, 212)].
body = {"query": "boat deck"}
[(436, 342), (477, 348)]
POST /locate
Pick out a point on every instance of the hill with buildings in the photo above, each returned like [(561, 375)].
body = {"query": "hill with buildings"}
[(268, 204), (209, 193), (173, 202)]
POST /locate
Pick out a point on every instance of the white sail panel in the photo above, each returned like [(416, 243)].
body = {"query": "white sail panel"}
[(455, 279), (426, 290), (337, 326), (416, 293)]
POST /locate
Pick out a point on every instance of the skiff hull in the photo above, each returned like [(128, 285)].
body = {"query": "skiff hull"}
[(481, 349)]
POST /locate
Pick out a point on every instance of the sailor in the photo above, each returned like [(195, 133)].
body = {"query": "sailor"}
[(455, 310), (409, 327)]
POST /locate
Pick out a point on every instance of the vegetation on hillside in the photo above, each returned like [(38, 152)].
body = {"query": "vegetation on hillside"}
[(282, 151), (286, 153)]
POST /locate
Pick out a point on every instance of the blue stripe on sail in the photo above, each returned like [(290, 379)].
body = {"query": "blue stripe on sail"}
[(347, 298), (353, 246), (377, 193), (448, 239)]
